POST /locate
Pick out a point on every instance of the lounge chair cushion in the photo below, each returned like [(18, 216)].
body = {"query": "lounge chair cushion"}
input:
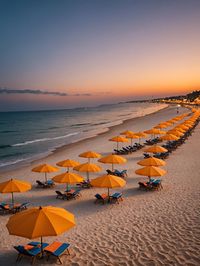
[(28, 247), (61, 247), (116, 195), (53, 247)]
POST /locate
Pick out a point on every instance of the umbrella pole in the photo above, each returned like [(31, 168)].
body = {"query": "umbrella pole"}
[(45, 177), (42, 247), (88, 180), (108, 195), (12, 198), (117, 145), (112, 167), (67, 169)]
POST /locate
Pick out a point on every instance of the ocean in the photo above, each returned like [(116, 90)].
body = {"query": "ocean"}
[(26, 136)]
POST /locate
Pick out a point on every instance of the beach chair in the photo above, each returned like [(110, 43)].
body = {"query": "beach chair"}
[(49, 183), (156, 184), (146, 155), (22, 207), (73, 195), (122, 173), (5, 208), (32, 251), (41, 184), (144, 186), (116, 197), (84, 184), (60, 195), (57, 249), (101, 198)]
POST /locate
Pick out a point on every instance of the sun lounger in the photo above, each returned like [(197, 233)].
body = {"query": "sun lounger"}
[(41, 184), (146, 155), (5, 208), (73, 195), (116, 172), (122, 173), (84, 184), (116, 197), (22, 207), (47, 184), (153, 184), (156, 184), (61, 195), (30, 251), (57, 249), (50, 183), (10, 208), (101, 198)]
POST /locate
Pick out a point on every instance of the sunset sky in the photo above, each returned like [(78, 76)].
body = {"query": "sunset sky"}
[(68, 53)]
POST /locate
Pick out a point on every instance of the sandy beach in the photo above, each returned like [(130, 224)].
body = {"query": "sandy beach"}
[(147, 228)]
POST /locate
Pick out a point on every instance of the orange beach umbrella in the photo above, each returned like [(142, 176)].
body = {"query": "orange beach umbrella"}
[(88, 168), (90, 154), (156, 149), (127, 132), (141, 135), (152, 161), (108, 181), (14, 185), (150, 171), (68, 163), (132, 136), (119, 139), (45, 168), (40, 221), (169, 137), (68, 178), (113, 159)]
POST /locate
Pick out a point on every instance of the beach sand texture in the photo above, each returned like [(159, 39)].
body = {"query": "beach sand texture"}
[(147, 228)]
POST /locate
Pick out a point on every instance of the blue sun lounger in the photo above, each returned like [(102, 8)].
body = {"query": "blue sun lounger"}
[(116, 197), (32, 253), (57, 249)]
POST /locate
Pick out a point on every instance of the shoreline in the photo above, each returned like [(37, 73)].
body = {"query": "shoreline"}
[(64, 147)]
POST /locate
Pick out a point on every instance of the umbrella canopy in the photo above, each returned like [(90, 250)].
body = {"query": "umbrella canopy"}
[(159, 126), (88, 167), (112, 159), (14, 185), (169, 137), (155, 131), (127, 132), (175, 133), (68, 163), (132, 136), (152, 161), (90, 154), (156, 149), (141, 135), (108, 181), (45, 168), (183, 127), (40, 221), (68, 178), (119, 139), (150, 171)]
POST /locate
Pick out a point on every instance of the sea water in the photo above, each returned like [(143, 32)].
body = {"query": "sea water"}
[(25, 136)]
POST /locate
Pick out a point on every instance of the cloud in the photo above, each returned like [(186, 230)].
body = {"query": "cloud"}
[(39, 92)]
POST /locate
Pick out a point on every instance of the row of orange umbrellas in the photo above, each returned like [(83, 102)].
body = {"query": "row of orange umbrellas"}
[(151, 164)]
